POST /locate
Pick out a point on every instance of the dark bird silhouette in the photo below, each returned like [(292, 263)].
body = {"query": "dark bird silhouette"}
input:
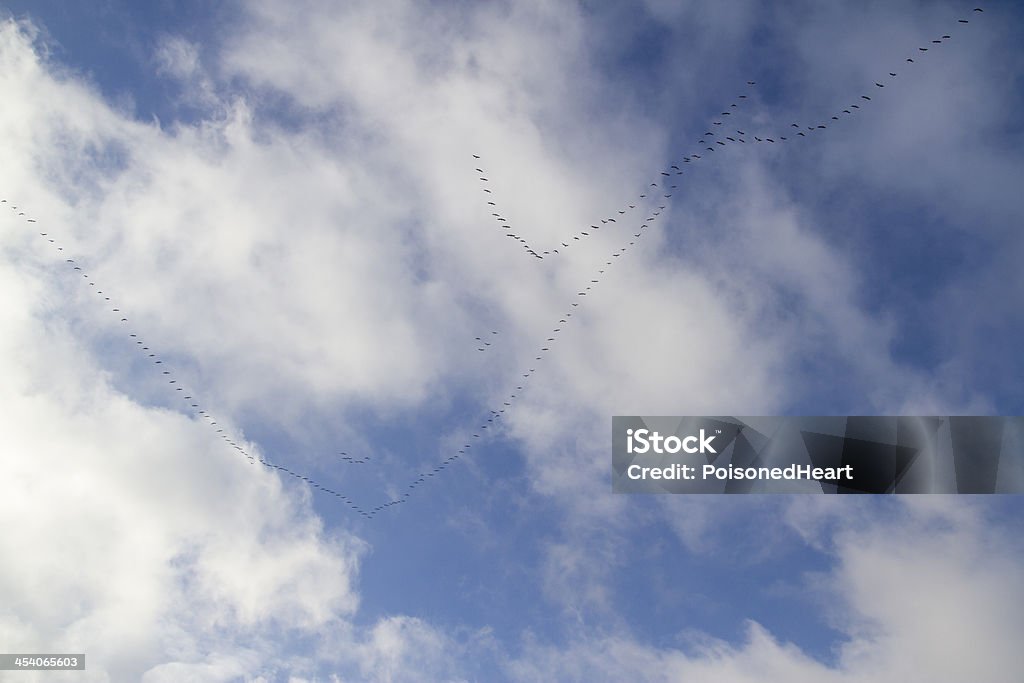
[(879, 85)]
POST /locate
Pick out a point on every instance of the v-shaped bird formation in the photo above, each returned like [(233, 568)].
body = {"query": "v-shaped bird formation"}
[(710, 142), (663, 184), (658, 198)]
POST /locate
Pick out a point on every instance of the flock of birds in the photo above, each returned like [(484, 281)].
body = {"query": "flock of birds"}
[(660, 185), (708, 143), (711, 141)]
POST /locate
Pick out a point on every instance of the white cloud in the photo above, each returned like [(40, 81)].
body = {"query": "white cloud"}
[(177, 57), (130, 530), (926, 591)]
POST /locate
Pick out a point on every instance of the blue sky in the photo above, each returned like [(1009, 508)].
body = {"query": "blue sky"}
[(280, 198)]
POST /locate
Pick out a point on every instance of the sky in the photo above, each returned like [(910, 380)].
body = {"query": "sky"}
[(275, 208)]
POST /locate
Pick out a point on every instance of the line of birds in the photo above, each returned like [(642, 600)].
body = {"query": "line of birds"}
[(423, 477), (596, 278), (740, 138), (709, 142), (168, 375), (509, 400), (365, 511), (666, 187)]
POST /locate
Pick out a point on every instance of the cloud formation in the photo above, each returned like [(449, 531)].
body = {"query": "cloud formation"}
[(309, 248)]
